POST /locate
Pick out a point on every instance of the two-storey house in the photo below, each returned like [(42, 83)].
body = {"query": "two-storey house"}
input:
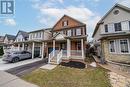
[(20, 40), (37, 42), (8, 43), (68, 40), (112, 32)]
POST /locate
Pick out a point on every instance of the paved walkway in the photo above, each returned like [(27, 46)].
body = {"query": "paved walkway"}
[(8, 80), (48, 66)]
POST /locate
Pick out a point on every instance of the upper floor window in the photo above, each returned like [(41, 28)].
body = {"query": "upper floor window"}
[(124, 46), (117, 26), (73, 32), (106, 28), (78, 31), (65, 23), (69, 33), (112, 46)]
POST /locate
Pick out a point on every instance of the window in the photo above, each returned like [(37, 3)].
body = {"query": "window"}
[(65, 23), (73, 32), (111, 28), (117, 26), (116, 12), (78, 45), (124, 46), (78, 31), (125, 25), (30, 36), (69, 33), (106, 28), (112, 46)]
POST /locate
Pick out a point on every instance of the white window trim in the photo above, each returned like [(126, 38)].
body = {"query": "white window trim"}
[(114, 47), (69, 33), (128, 46), (78, 29)]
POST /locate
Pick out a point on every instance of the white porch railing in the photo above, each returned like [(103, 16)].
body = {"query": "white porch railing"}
[(59, 57), (76, 53), (50, 56)]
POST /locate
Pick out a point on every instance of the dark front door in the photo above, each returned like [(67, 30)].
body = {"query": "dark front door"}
[(36, 51), (63, 46)]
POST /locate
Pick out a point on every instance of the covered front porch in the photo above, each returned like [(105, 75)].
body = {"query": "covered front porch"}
[(34, 47), (66, 49)]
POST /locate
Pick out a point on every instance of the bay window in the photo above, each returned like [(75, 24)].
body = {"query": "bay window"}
[(124, 47), (112, 46)]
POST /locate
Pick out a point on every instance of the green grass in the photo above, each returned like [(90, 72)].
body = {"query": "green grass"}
[(69, 77)]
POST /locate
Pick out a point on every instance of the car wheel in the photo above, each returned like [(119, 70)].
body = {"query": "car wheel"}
[(16, 59)]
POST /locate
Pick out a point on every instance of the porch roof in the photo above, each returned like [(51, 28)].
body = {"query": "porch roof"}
[(115, 36)]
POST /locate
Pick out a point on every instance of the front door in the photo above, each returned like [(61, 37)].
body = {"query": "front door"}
[(63, 46), (36, 51)]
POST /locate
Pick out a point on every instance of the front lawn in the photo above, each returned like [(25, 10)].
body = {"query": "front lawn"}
[(63, 76)]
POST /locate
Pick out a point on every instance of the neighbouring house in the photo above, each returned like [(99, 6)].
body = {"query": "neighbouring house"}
[(37, 42), (8, 43), (67, 42), (19, 43), (112, 35)]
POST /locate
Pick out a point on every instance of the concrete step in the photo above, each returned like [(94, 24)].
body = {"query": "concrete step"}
[(53, 63)]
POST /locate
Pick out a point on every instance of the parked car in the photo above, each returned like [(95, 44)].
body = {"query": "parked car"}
[(16, 56)]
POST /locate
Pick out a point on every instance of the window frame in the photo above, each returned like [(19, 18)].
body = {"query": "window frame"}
[(65, 23), (116, 26), (128, 46), (69, 33), (114, 46), (77, 33), (106, 27)]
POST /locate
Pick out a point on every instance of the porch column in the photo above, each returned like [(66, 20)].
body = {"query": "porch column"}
[(42, 49), (68, 47), (82, 47), (18, 47), (22, 46), (53, 47), (33, 44)]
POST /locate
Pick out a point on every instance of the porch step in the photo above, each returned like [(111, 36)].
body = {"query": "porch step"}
[(53, 63)]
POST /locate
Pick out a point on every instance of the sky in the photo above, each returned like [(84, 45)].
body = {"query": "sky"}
[(40, 14)]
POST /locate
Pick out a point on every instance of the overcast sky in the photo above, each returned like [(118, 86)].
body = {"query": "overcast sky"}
[(37, 14)]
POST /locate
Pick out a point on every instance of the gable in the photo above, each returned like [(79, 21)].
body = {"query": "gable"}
[(70, 21), (19, 37), (109, 17), (123, 15), (59, 37), (6, 40)]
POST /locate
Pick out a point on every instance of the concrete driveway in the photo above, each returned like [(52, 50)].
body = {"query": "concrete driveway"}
[(6, 66)]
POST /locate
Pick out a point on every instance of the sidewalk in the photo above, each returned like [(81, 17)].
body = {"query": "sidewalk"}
[(8, 80)]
